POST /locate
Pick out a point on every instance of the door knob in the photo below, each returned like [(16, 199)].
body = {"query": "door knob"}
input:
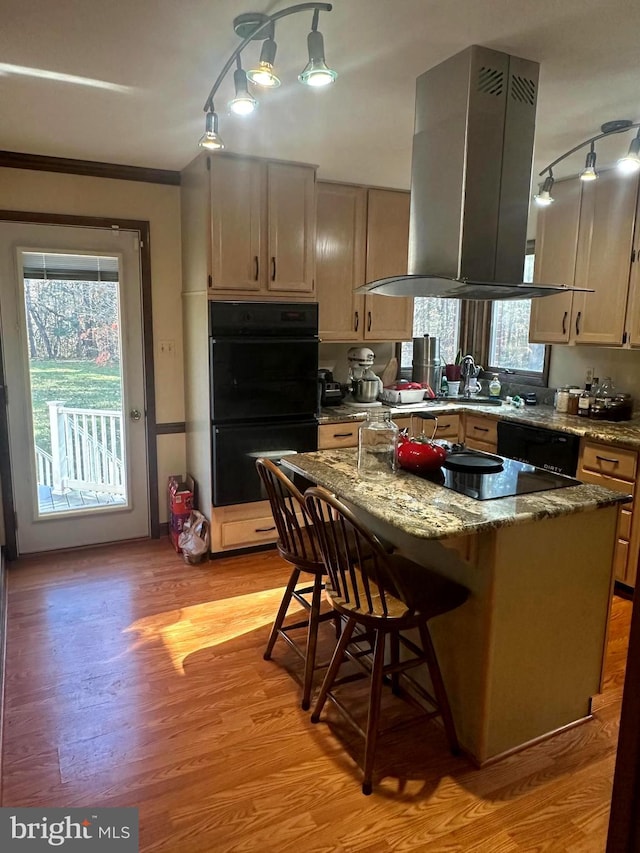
[(135, 414)]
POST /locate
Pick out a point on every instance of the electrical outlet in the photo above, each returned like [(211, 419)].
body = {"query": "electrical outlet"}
[(589, 375)]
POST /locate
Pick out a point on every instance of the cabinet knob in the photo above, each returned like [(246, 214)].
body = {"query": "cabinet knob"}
[(273, 269), (256, 272), (356, 321), (368, 321), (578, 315), (564, 322)]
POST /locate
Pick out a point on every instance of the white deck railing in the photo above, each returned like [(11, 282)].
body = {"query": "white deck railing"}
[(87, 450)]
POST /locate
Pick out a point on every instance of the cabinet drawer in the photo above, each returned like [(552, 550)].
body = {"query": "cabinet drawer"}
[(338, 435), (447, 427), (252, 531), (481, 429), (607, 482), (606, 459), (474, 444)]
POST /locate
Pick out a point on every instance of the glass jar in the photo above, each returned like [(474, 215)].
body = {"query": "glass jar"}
[(377, 444), (573, 402), (562, 399)]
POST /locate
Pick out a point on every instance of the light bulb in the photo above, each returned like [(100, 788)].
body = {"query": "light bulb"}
[(316, 73), (243, 103), (210, 140), (630, 163), (264, 76), (589, 172), (544, 197)]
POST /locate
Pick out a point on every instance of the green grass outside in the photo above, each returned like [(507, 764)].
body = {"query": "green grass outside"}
[(81, 384)]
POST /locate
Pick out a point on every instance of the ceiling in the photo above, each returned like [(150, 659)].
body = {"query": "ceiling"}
[(148, 66)]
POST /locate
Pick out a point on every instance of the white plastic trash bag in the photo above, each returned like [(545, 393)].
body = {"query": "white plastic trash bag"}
[(193, 541)]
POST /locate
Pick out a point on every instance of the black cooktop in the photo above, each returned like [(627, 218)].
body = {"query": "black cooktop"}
[(515, 478)]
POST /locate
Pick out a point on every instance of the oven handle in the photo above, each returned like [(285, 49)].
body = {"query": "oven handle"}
[(247, 339)]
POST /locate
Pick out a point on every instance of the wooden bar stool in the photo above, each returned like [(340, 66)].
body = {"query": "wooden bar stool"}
[(383, 595), (297, 545)]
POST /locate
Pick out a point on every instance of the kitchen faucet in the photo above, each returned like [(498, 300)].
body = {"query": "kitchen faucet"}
[(468, 371)]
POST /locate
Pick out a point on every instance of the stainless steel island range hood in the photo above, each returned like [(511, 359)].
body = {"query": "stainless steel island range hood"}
[(471, 180)]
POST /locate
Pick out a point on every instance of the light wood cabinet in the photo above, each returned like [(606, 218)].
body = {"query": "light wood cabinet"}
[(338, 435), (262, 229), (387, 318), (341, 239), (362, 235), (585, 240), (555, 263), (481, 433), (616, 468)]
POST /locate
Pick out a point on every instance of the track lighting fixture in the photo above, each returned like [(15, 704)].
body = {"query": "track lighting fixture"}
[(253, 26), (629, 164), (544, 197)]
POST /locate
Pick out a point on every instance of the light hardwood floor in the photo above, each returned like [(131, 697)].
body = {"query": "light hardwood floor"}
[(134, 679)]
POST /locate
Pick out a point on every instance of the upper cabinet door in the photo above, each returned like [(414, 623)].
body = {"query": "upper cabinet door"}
[(291, 217), (555, 263), (387, 318), (237, 224), (604, 254), (341, 236)]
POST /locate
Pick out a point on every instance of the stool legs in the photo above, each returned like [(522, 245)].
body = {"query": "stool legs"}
[(282, 612), (373, 717), (312, 642), (332, 672)]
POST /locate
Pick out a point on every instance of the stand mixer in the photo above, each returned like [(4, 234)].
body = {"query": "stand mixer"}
[(365, 385)]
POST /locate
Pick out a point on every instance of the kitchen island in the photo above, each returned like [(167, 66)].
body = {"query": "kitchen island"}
[(524, 655)]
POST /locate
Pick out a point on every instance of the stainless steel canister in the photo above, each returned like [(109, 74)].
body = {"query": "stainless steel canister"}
[(426, 365)]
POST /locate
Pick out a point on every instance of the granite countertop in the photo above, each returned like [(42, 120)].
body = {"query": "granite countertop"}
[(623, 433), (426, 510)]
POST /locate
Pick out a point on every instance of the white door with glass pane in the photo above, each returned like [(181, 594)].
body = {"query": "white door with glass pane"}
[(71, 322)]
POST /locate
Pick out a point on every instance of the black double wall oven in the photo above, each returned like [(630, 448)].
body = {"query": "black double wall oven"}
[(263, 369)]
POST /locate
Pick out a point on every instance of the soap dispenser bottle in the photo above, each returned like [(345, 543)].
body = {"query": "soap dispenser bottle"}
[(494, 386)]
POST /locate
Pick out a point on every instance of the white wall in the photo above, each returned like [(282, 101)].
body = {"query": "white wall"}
[(48, 192)]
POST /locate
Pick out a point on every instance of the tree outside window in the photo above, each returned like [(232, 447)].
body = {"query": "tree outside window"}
[(509, 347)]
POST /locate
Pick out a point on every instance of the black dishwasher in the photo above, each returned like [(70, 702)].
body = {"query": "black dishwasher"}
[(544, 448)]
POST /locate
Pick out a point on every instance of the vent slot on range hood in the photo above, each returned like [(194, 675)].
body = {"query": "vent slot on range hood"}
[(471, 180)]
